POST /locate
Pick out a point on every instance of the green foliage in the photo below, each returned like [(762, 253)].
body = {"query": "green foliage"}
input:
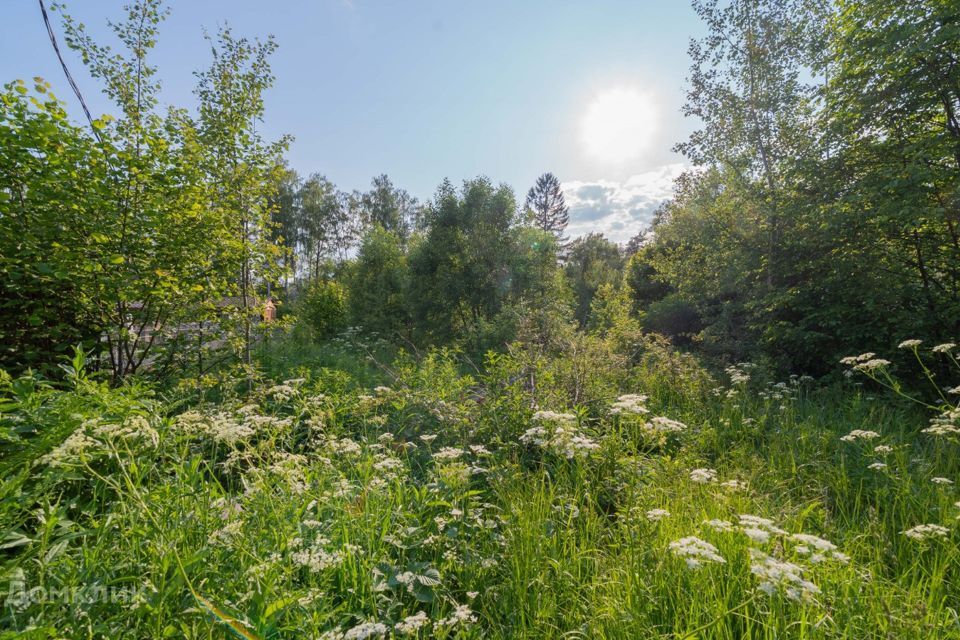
[(323, 307), (591, 262), (378, 281), (318, 505)]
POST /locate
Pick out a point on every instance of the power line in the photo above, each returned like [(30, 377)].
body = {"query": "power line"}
[(66, 71)]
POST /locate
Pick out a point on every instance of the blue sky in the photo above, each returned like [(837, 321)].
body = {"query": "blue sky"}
[(432, 89)]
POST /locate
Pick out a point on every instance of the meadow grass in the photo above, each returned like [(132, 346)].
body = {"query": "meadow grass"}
[(448, 505)]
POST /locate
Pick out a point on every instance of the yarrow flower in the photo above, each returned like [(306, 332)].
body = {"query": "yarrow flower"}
[(909, 344), (696, 551), (629, 403), (366, 630), (943, 481), (655, 515), (734, 485), (860, 434), (666, 425), (448, 453), (926, 532), (877, 466), (703, 475), (946, 347), (882, 448), (561, 436), (462, 614), (412, 624), (719, 525), (780, 576)]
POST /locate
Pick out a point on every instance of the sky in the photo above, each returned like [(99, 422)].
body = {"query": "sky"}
[(425, 90)]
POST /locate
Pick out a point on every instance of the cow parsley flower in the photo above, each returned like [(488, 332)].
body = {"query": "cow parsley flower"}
[(781, 576), (946, 347), (734, 485), (719, 525), (412, 624), (696, 551), (926, 532), (461, 615), (366, 630), (877, 466), (666, 425), (655, 515), (882, 448), (909, 344), (448, 453), (860, 434), (942, 481), (703, 475), (629, 403)]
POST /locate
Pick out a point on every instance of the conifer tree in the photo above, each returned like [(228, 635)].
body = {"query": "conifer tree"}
[(547, 206)]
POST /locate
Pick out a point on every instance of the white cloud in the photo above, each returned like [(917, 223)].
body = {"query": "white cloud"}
[(619, 210)]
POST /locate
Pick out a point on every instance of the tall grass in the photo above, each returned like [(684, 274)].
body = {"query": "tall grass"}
[(322, 507)]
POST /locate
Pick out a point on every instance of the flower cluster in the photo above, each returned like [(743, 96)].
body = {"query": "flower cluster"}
[(926, 532), (559, 434), (780, 576), (860, 434), (630, 404), (696, 551), (703, 476)]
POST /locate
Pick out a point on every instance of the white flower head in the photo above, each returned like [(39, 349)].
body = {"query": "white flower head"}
[(696, 551), (703, 475)]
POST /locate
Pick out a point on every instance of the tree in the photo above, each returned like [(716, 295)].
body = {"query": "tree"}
[(746, 89), (52, 175), (243, 169), (322, 216), (460, 271), (147, 236), (388, 207), (547, 206), (377, 283), (592, 261)]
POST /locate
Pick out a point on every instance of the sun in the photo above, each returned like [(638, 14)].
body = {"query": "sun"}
[(619, 125)]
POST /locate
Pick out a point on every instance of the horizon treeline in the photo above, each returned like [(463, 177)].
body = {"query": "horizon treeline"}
[(819, 218)]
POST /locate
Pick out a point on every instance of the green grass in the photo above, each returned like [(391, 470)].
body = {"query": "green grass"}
[(290, 511)]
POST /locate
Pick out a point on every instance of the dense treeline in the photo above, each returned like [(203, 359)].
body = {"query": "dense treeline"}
[(820, 217), (824, 217)]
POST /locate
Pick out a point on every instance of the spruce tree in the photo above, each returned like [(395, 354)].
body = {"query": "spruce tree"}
[(547, 206)]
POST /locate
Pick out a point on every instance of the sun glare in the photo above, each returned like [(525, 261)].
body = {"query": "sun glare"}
[(619, 125)]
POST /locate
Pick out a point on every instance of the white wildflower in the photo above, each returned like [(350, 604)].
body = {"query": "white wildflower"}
[(365, 630), (703, 476), (760, 536), (882, 448), (860, 434), (926, 531), (629, 403), (666, 425), (777, 575), (553, 416), (943, 481), (462, 614), (412, 624), (696, 551), (448, 453), (734, 485), (946, 347), (655, 515), (909, 344), (719, 525), (877, 466)]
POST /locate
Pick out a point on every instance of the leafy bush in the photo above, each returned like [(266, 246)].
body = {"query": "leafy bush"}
[(323, 308)]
